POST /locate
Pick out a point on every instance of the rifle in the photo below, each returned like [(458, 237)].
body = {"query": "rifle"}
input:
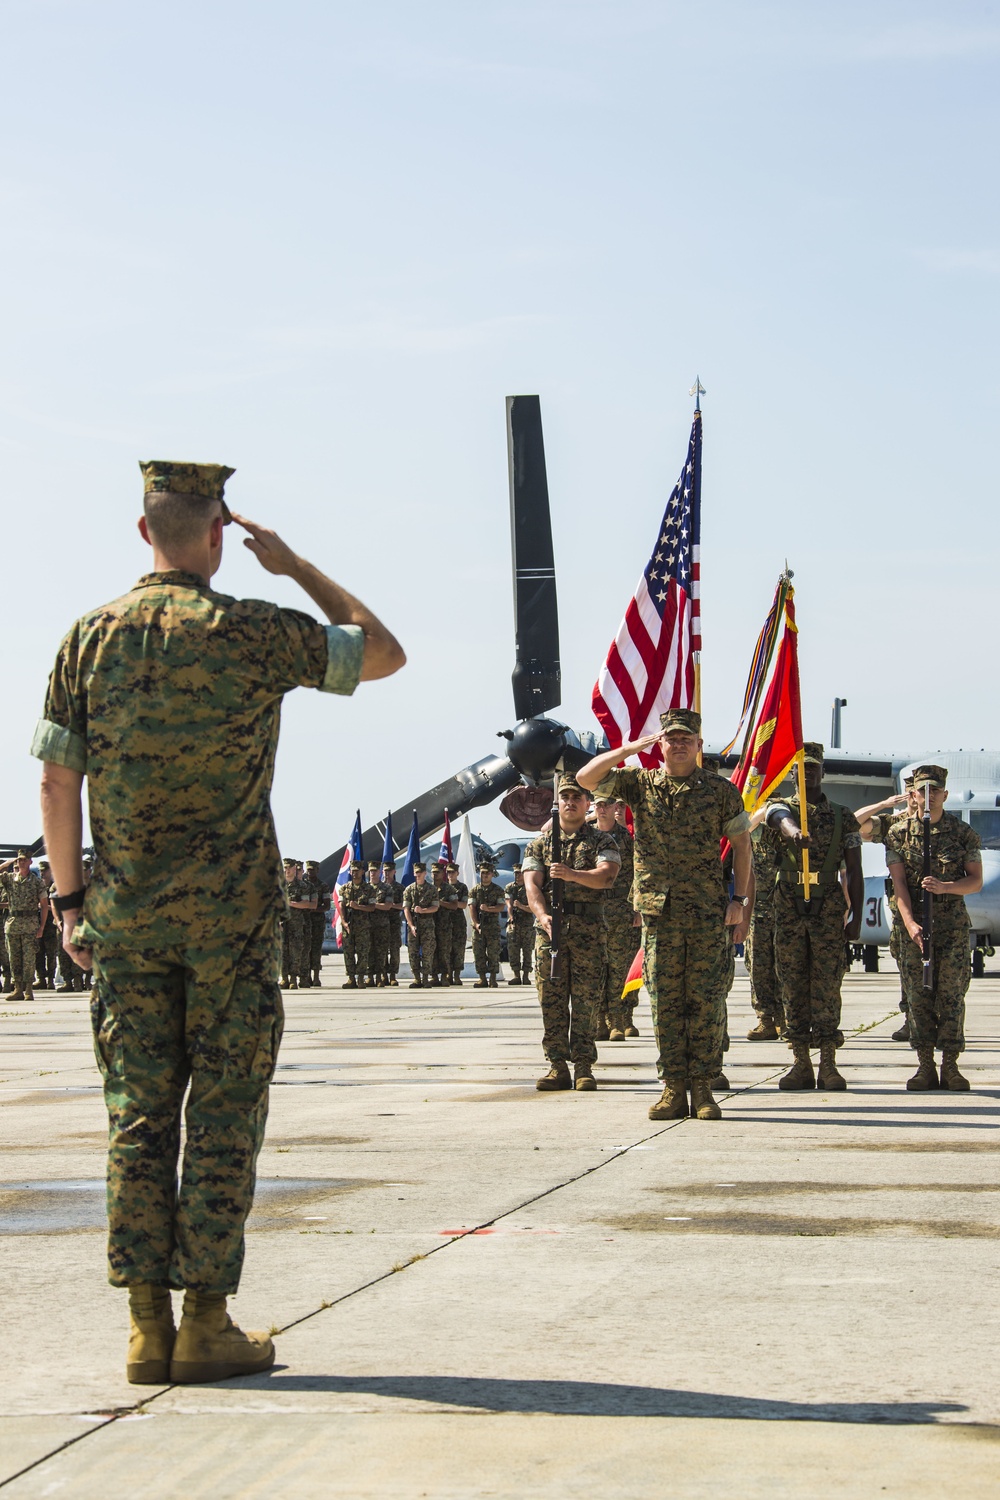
[(556, 894), (927, 926)]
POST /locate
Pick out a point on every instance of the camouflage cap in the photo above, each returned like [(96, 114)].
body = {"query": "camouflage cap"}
[(486, 864), (206, 481), (23, 854), (419, 865), (357, 865), (685, 719), (929, 776), (569, 783), (813, 753), (453, 867), (518, 867), (288, 862), (43, 864), (373, 864), (312, 864)]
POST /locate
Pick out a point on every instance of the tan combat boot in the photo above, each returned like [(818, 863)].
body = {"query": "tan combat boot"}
[(556, 1078), (764, 1031), (151, 1334), (672, 1103), (209, 1346), (515, 978), (585, 1081), (925, 1078), (827, 1076), (720, 1082), (481, 983), (616, 1034), (951, 1078), (800, 1075), (703, 1106)]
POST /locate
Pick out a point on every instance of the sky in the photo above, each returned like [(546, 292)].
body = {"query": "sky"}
[(321, 242)]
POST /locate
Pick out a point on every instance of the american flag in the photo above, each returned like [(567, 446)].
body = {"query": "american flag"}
[(651, 664)]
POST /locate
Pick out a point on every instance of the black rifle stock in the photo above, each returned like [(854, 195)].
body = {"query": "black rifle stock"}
[(927, 926), (556, 892)]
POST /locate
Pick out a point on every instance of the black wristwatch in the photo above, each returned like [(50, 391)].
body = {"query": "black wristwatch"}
[(741, 900)]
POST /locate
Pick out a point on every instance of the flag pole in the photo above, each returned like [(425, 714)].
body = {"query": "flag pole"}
[(697, 391), (803, 822)]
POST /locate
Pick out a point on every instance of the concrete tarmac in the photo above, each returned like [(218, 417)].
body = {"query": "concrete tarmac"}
[(481, 1290)]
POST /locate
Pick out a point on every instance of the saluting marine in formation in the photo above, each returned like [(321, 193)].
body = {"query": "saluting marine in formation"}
[(455, 901), (681, 815), (936, 1013), (27, 913), (571, 1002)]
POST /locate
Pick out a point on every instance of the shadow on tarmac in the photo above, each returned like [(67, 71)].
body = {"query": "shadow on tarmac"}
[(593, 1399)]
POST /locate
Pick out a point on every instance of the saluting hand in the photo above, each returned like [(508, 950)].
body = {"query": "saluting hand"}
[(268, 548)]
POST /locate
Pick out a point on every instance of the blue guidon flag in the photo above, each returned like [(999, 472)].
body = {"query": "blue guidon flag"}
[(653, 661)]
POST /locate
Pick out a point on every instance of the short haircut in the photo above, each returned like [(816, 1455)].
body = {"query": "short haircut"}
[(176, 520)]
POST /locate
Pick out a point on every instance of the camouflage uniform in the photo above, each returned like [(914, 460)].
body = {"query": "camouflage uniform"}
[(759, 954), (21, 927), (422, 947), (882, 825), (937, 1016), (572, 1003), (294, 930), (442, 933), (678, 887), (378, 931), (459, 891), (356, 927), (4, 955), (809, 935), (316, 921), (48, 951), (623, 936), (520, 931), (184, 685), (394, 893), (486, 941)]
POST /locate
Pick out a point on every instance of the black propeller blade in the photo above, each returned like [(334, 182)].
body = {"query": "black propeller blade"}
[(474, 786), (536, 677)]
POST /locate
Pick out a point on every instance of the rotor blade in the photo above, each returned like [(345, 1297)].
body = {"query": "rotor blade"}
[(474, 786), (536, 678)]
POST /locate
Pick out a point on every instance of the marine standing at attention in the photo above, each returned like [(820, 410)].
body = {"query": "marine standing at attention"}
[(486, 902), (937, 1015), (572, 1002), (520, 929), (316, 922), (458, 902), (420, 902), (168, 700), (809, 936), (681, 814)]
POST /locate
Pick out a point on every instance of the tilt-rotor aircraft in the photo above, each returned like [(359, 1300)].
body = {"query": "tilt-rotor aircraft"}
[(537, 746)]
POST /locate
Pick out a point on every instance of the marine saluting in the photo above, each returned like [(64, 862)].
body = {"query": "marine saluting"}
[(180, 922)]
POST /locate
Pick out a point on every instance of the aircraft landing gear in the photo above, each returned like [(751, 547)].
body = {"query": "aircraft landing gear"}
[(871, 958)]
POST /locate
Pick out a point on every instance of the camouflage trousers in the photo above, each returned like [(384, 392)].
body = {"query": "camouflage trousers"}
[(48, 954), (809, 958), (759, 957), (4, 955), (293, 944), (356, 947), (423, 947), (486, 946), (896, 935), (69, 972), (571, 1005), (211, 1018), (521, 944), (395, 942), (459, 939), (687, 959), (442, 944), (623, 944), (22, 945), (378, 942), (316, 923), (937, 1016)]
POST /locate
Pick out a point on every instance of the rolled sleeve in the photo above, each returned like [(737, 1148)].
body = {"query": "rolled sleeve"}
[(60, 745), (735, 826), (345, 655)]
